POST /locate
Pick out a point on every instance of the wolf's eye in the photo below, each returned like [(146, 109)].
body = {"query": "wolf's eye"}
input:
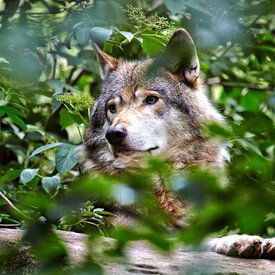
[(112, 108), (151, 99)]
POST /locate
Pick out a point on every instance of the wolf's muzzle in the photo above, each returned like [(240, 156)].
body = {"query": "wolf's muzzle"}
[(116, 134)]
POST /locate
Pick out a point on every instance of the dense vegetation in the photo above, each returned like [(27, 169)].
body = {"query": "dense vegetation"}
[(49, 78)]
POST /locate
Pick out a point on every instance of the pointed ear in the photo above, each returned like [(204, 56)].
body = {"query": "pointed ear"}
[(106, 61), (180, 57)]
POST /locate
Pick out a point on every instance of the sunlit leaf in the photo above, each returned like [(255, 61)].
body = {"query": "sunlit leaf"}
[(28, 174), (128, 35), (44, 148)]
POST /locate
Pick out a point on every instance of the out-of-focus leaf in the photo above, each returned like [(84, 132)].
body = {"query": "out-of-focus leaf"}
[(66, 158), (28, 174), (10, 110), (250, 102), (44, 148), (82, 36), (216, 129), (18, 121), (51, 184), (10, 175), (249, 146), (128, 35), (175, 6), (100, 35)]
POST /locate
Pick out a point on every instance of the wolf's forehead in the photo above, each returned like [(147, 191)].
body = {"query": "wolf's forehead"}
[(131, 76)]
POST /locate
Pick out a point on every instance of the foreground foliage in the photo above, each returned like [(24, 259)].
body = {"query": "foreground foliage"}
[(49, 79)]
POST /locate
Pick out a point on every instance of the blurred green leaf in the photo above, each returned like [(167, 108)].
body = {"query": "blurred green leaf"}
[(44, 148), (100, 35), (250, 102), (82, 36), (66, 158), (9, 176), (18, 121), (51, 184)]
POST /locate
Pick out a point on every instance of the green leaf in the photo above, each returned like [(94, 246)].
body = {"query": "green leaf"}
[(66, 119), (249, 146), (218, 130), (12, 111), (10, 175), (250, 102), (3, 102), (100, 35), (82, 36), (18, 121), (28, 174), (152, 44), (66, 158), (44, 148), (51, 184), (128, 35)]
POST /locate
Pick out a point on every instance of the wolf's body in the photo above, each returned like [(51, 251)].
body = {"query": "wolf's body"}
[(154, 107)]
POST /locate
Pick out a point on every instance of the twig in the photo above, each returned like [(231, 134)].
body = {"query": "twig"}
[(216, 80), (71, 74), (12, 205), (54, 67), (74, 81)]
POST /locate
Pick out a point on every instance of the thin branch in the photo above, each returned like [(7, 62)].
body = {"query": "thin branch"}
[(216, 80), (54, 67), (12, 205), (10, 225), (74, 81), (69, 79)]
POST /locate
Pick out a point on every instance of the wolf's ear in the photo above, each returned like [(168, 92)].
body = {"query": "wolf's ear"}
[(106, 61), (180, 57)]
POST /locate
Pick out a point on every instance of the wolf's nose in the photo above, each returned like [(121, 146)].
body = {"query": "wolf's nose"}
[(116, 134)]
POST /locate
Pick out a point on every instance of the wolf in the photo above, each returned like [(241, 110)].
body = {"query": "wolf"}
[(158, 106)]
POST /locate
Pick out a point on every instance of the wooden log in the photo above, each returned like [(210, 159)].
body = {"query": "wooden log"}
[(141, 258)]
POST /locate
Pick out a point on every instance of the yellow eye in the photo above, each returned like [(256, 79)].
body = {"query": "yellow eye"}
[(112, 108), (151, 99)]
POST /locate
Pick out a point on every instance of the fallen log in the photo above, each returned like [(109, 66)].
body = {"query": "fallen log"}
[(141, 258)]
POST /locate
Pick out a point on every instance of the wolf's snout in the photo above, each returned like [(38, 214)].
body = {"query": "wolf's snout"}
[(116, 134)]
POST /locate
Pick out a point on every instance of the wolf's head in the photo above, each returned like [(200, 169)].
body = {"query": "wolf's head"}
[(148, 106)]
